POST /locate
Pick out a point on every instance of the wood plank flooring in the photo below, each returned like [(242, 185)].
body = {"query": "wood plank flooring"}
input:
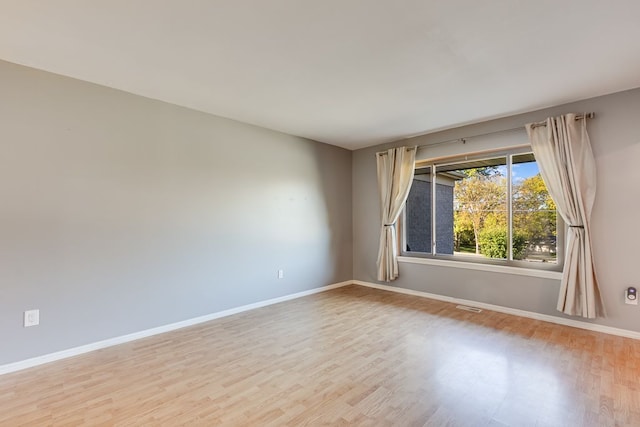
[(352, 356)]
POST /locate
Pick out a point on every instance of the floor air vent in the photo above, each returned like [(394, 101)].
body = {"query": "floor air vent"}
[(467, 308)]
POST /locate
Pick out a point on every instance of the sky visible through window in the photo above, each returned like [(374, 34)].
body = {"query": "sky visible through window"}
[(522, 171)]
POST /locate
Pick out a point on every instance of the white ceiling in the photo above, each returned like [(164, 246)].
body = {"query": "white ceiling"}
[(352, 73)]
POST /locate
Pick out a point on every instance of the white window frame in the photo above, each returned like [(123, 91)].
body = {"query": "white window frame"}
[(548, 270)]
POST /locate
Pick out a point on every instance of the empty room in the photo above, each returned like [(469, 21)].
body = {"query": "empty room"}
[(288, 213)]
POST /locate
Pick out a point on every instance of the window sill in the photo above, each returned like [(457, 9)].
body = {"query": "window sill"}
[(505, 269)]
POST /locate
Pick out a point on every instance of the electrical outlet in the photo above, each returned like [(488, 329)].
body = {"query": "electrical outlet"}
[(631, 296), (280, 274), (31, 318)]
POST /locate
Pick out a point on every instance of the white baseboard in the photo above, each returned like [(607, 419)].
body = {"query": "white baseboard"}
[(35, 361), (514, 311), (75, 351)]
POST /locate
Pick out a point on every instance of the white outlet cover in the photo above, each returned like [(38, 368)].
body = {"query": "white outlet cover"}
[(627, 300), (31, 318), (280, 274)]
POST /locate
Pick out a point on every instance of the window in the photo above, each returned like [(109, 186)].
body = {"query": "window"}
[(484, 208)]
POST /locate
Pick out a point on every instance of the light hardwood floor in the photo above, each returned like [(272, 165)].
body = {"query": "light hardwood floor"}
[(351, 356)]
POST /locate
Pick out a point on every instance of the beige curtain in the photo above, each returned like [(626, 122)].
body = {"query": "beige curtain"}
[(395, 175), (563, 152)]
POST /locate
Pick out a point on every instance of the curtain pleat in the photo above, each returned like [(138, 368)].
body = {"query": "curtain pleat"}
[(395, 175), (563, 152)]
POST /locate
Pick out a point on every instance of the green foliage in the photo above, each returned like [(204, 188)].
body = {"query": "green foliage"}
[(493, 243), (480, 213), (519, 242), (534, 210), (485, 171), (480, 197)]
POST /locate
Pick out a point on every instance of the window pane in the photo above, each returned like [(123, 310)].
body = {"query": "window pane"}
[(418, 213), (476, 209), (534, 213)]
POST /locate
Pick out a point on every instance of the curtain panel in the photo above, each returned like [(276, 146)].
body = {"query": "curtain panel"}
[(563, 151), (395, 175)]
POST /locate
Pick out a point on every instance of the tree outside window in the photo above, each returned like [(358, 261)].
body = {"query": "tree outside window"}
[(485, 216)]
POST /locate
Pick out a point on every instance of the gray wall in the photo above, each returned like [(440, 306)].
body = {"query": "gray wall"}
[(615, 138), (119, 213)]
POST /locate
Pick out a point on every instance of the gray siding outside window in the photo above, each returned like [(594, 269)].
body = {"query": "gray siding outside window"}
[(418, 218)]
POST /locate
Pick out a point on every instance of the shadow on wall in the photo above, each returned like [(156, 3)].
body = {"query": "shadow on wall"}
[(131, 213), (333, 166)]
